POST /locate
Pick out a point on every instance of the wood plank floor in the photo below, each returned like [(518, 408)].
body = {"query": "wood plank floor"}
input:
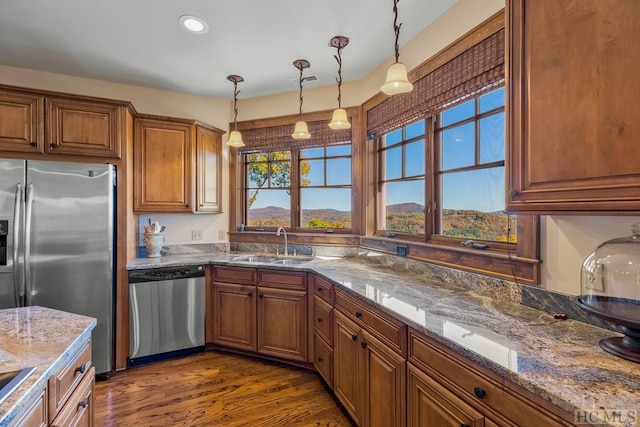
[(216, 389)]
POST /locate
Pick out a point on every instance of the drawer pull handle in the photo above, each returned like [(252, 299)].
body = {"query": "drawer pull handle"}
[(319, 319), (250, 294), (354, 337), (480, 393), (358, 315), (82, 368), (84, 403), (363, 344)]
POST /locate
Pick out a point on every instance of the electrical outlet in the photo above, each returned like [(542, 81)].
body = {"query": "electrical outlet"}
[(401, 250), (196, 234), (222, 234)]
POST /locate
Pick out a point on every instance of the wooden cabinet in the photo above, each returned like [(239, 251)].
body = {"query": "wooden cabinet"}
[(369, 377), (446, 386), (79, 410), (322, 320), (172, 158), (33, 122), (163, 151), (34, 414), (263, 311), (208, 170), (572, 106)]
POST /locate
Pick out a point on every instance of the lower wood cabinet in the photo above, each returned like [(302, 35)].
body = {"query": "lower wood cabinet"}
[(268, 317), (79, 409), (369, 377), (35, 412)]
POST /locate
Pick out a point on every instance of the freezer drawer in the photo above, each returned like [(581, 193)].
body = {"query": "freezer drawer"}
[(165, 316)]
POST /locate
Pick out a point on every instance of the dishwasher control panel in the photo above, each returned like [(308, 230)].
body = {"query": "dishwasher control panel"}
[(165, 273)]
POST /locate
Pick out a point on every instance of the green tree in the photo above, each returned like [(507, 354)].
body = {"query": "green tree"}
[(275, 166)]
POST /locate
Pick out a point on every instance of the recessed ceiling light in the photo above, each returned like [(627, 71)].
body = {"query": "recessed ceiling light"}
[(194, 24)]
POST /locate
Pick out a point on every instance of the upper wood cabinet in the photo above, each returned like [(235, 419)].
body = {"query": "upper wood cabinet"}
[(572, 106), (32, 122), (208, 170), (163, 152), (177, 166)]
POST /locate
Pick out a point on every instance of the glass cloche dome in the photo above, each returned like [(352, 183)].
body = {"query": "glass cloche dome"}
[(610, 289)]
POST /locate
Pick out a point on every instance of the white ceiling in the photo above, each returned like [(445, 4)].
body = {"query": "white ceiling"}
[(140, 42)]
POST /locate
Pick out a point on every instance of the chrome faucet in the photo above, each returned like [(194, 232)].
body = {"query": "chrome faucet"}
[(286, 244)]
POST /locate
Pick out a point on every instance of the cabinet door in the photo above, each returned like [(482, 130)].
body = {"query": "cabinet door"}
[(385, 384), (34, 414), (82, 128), (282, 323), (572, 106), (21, 116), (430, 404), (347, 358), (234, 311), (208, 171), (79, 410), (162, 166)]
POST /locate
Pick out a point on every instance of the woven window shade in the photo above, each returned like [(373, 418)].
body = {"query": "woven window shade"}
[(278, 138), (477, 70)]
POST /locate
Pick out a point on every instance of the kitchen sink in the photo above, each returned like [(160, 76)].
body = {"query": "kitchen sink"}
[(262, 259), (9, 381), (292, 261)]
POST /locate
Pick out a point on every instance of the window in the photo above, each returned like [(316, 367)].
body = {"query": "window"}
[(401, 187), (470, 147), (318, 180)]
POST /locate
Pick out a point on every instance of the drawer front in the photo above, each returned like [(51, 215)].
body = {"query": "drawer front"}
[(283, 279), (390, 331), (323, 288), (478, 388), (63, 383), (35, 414), (323, 360), (323, 319), (245, 276), (79, 410)]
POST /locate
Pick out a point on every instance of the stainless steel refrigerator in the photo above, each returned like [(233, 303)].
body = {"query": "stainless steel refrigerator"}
[(57, 232)]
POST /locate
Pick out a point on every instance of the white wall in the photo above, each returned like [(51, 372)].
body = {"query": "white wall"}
[(565, 240)]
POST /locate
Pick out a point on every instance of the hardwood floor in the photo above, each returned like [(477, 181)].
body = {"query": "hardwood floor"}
[(216, 389)]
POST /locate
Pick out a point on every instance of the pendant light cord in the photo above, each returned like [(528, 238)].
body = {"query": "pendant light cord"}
[(339, 78), (301, 68), (396, 27), (235, 105)]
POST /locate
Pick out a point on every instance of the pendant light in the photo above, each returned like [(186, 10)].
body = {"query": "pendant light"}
[(235, 138), (339, 119), (397, 80), (301, 131)]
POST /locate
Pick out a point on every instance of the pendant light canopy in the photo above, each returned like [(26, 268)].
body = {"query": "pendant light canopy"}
[(301, 131), (339, 119), (397, 80), (235, 138)]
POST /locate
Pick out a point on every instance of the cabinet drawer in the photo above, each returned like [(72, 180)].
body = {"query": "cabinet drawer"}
[(477, 387), (323, 360), (63, 383), (35, 413), (323, 288), (283, 279), (235, 275), (79, 410), (323, 319), (389, 330)]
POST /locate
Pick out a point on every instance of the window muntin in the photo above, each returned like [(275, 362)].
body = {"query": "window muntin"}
[(401, 187), (325, 187), (470, 171), (322, 188)]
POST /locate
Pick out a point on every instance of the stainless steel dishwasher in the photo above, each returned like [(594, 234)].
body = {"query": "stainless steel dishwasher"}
[(166, 312)]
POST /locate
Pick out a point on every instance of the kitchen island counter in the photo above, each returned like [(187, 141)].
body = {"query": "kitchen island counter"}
[(37, 337), (557, 360)]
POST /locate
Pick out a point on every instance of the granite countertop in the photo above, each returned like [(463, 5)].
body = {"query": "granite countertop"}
[(558, 360), (37, 337)]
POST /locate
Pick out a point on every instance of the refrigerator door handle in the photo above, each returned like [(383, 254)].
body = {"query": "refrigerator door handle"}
[(27, 245), (17, 212)]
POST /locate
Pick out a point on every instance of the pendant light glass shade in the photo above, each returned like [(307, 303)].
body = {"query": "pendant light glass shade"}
[(397, 80), (235, 139), (301, 131), (339, 119)]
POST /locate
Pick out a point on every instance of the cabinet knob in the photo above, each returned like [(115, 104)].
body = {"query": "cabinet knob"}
[(319, 359), (319, 319), (363, 344), (319, 289), (354, 337), (52, 145), (260, 295), (34, 144), (513, 193), (250, 294), (82, 368), (464, 425), (358, 314), (187, 205), (84, 403), (480, 393)]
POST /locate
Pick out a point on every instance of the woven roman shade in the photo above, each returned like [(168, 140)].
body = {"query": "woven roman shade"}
[(475, 71), (278, 138)]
